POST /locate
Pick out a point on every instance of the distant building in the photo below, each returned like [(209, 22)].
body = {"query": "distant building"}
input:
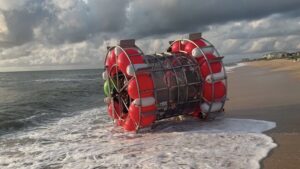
[(276, 55), (279, 55)]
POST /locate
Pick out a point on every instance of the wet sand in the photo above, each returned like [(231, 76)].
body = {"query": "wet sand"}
[(263, 90)]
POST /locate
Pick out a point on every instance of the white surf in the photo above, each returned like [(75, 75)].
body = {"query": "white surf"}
[(229, 69), (89, 140)]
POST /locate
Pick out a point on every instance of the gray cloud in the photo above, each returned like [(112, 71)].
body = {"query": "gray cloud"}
[(268, 34), (81, 21), (55, 32), (53, 22), (21, 22), (38, 54), (173, 16)]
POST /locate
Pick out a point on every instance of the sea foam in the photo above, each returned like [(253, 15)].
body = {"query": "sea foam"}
[(229, 69), (89, 140)]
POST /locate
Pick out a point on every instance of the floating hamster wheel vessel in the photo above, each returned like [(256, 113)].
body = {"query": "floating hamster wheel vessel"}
[(188, 79)]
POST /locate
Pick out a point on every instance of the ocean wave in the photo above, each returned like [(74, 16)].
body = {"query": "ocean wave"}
[(229, 69), (65, 80), (89, 140)]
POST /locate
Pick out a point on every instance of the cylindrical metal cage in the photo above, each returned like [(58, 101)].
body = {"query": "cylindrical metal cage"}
[(177, 83), (188, 79)]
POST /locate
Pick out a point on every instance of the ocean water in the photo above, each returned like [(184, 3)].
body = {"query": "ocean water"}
[(57, 119), (29, 99)]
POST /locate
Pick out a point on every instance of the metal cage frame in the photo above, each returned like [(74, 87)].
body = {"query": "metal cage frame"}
[(182, 53), (219, 58)]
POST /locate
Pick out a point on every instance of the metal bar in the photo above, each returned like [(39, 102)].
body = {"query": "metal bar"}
[(157, 70), (186, 82), (125, 104), (137, 83), (178, 85), (224, 70), (163, 69), (210, 71)]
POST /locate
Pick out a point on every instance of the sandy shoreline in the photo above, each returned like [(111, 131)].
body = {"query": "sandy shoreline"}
[(279, 65), (270, 90)]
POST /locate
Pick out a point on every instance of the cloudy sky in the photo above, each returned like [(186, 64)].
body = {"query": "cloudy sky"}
[(57, 34)]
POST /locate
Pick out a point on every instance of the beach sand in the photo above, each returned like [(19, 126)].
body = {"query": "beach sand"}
[(280, 65), (270, 90)]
